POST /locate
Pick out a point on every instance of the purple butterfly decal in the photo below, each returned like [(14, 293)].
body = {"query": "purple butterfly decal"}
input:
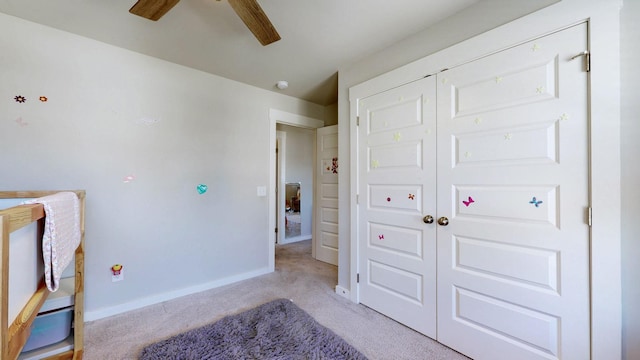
[(381, 237), (468, 202)]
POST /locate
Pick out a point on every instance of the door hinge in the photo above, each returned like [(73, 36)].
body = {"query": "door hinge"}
[(587, 59), (358, 278), (276, 230), (357, 199), (357, 120), (589, 215)]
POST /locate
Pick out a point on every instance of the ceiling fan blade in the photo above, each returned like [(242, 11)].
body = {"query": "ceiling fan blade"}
[(152, 9), (256, 20)]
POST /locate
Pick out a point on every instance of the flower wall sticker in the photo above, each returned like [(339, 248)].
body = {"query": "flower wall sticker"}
[(19, 98), (535, 202), (388, 199), (411, 196), (43, 98), (202, 188), (375, 164)]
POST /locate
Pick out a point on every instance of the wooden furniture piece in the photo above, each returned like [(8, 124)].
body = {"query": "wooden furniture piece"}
[(14, 336)]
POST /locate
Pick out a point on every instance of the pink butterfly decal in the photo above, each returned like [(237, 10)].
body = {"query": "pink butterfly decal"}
[(381, 237), (21, 122), (411, 196), (468, 202)]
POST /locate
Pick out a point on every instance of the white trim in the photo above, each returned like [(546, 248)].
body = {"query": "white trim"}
[(281, 117), (272, 194), (171, 295), (287, 118), (280, 194), (343, 292), (293, 239), (353, 194), (604, 42)]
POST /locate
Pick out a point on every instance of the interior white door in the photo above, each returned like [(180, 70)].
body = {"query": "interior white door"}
[(326, 222), (513, 262), (397, 250)]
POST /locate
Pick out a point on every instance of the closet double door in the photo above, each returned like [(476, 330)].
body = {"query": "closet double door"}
[(473, 200)]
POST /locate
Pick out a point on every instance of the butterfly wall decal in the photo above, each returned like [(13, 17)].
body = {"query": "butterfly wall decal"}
[(535, 202), (21, 122), (468, 202)]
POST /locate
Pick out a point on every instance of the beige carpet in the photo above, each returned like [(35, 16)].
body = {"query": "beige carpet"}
[(309, 283)]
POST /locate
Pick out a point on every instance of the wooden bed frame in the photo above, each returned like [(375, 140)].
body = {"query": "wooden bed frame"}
[(13, 337)]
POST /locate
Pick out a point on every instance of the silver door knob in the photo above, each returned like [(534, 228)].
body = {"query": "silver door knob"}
[(443, 221), (428, 219)]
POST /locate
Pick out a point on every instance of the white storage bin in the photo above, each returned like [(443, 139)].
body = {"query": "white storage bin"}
[(50, 328)]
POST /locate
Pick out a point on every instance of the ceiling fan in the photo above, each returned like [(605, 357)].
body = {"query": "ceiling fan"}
[(248, 10)]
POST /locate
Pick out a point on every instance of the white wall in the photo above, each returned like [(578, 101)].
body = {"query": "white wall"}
[(299, 164), (331, 115), (630, 133), (112, 113)]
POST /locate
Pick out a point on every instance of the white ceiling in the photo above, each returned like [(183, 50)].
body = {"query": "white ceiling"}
[(318, 36)]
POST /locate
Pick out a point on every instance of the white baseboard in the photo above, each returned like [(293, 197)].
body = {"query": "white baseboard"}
[(140, 303), (342, 292), (295, 239)]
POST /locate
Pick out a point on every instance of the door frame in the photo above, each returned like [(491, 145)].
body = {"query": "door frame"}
[(281, 170), (603, 24), (286, 118)]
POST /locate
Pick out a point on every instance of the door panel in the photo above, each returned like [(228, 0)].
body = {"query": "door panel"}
[(326, 223), (397, 188), (513, 263), (512, 176)]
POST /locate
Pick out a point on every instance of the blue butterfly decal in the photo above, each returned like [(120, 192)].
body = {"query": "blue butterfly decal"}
[(535, 202)]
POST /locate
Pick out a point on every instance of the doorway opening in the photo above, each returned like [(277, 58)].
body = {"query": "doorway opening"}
[(295, 161), (277, 204)]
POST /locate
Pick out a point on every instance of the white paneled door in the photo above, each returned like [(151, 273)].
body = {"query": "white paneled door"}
[(511, 227), (326, 221), (397, 188)]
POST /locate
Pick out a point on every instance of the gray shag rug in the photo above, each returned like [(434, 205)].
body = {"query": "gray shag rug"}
[(275, 330)]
